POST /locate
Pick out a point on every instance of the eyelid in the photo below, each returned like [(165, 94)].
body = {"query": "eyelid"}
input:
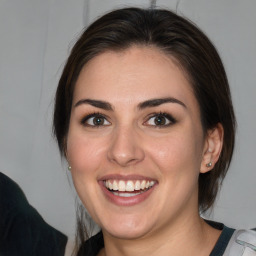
[(94, 115), (169, 117)]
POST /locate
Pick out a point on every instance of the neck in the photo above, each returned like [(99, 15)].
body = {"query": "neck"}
[(192, 236)]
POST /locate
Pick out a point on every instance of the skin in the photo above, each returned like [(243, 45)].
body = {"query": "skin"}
[(128, 142)]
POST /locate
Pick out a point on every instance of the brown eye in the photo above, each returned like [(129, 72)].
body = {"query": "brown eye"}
[(161, 119), (95, 120), (98, 120)]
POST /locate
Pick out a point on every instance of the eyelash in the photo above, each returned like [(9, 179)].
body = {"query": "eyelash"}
[(167, 117), (94, 115), (170, 119)]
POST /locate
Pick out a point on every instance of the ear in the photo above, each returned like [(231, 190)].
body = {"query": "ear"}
[(212, 148)]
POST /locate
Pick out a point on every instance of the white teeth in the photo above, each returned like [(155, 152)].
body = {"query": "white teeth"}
[(126, 194), (137, 185), (143, 184), (121, 185), (128, 186), (151, 183), (115, 185)]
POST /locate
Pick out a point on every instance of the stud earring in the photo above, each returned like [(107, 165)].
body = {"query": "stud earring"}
[(209, 164), (69, 168)]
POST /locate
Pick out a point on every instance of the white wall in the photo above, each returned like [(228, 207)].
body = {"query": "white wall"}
[(35, 38)]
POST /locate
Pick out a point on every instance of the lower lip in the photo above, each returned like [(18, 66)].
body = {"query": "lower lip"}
[(126, 201)]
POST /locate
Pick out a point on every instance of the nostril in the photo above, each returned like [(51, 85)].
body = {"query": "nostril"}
[(126, 155), (124, 160)]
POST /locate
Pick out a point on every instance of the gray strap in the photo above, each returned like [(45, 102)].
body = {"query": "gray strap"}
[(242, 243)]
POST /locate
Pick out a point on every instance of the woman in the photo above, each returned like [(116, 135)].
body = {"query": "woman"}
[(144, 117)]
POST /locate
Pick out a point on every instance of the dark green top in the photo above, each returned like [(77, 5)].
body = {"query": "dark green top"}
[(223, 240), (23, 232)]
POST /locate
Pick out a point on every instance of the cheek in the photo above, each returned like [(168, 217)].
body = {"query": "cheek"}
[(177, 153), (83, 154), (84, 158)]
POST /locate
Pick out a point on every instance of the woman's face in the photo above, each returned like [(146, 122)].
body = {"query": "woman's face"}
[(135, 142)]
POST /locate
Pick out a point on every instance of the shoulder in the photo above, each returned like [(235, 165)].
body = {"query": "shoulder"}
[(12, 189), (23, 231), (233, 242), (242, 243), (224, 239)]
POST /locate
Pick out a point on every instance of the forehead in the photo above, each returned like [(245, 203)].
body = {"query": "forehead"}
[(138, 72)]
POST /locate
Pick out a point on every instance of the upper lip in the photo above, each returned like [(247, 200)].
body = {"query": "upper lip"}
[(125, 177)]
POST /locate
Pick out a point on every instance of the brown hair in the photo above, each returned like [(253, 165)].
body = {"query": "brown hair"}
[(176, 37)]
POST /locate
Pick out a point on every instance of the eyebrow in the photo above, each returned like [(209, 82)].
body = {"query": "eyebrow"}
[(96, 103), (146, 104), (158, 102)]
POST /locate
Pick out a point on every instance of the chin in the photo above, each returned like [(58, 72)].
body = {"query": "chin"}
[(127, 228), (127, 234)]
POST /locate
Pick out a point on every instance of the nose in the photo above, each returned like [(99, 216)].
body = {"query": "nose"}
[(125, 148)]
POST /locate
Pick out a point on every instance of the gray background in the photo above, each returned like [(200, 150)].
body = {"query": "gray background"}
[(36, 37)]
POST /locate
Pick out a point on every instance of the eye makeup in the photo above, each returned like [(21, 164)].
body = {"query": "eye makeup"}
[(160, 120), (95, 120)]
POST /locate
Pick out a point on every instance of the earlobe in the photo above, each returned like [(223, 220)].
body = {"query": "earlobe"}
[(212, 148)]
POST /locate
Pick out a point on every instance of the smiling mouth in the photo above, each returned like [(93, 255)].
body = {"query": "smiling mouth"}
[(128, 188)]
